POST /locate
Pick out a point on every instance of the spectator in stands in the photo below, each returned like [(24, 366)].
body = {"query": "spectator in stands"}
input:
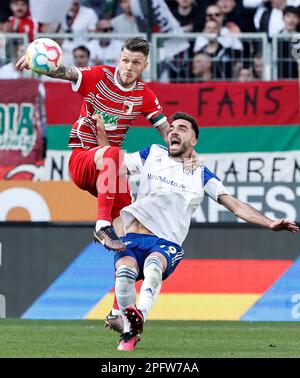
[(291, 19), (258, 67), (236, 18), (98, 6), (287, 63), (5, 13), (81, 56), (104, 51), (20, 22), (214, 13), (228, 8), (125, 22), (186, 13), (244, 74), (250, 4), (269, 17), (221, 52), (9, 71), (202, 67), (80, 19)]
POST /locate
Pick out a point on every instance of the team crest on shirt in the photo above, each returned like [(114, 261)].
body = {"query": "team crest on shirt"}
[(188, 172), (128, 106)]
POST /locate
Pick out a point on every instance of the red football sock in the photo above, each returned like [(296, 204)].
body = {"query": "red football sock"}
[(115, 305), (107, 182)]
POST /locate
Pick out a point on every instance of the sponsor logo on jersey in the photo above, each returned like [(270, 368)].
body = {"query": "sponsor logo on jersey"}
[(110, 120)]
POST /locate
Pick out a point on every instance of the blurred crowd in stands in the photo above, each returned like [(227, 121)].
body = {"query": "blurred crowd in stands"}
[(221, 52)]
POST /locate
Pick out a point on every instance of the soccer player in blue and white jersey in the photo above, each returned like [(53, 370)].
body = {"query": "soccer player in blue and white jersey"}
[(157, 223)]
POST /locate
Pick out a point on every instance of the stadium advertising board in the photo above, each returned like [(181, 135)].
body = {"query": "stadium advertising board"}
[(21, 131)]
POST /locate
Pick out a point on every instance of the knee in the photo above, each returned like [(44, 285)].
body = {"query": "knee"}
[(126, 274), (153, 269)]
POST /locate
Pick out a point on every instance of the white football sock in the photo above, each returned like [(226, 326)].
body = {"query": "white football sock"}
[(152, 283), (101, 223), (125, 290)]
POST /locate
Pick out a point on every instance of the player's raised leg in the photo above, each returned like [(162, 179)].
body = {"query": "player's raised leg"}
[(108, 163)]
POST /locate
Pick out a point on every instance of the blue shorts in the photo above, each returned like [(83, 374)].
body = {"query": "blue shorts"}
[(139, 246)]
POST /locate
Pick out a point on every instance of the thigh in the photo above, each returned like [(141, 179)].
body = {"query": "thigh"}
[(99, 156), (162, 258), (118, 226), (126, 260), (83, 170)]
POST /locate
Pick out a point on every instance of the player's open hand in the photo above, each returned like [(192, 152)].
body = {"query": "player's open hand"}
[(21, 64), (284, 224)]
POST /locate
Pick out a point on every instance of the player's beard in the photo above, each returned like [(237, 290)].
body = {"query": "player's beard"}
[(179, 152)]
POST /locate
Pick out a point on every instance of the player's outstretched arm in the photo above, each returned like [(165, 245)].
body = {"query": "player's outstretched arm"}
[(62, 72), (246, 212)]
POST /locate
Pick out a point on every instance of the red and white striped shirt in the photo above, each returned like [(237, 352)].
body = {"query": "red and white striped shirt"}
[(119, 106)]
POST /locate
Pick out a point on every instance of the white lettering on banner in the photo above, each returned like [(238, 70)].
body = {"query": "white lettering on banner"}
[(284, 207), (276, 202), (255, 167), (16, 128), (296, 308), (27, 199), (2, 297)]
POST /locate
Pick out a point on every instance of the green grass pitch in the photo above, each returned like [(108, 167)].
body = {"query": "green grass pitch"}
[(83, 338)]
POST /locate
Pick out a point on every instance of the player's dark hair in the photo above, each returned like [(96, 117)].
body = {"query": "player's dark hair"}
[(137, 44), (82, 48), (186, 117)]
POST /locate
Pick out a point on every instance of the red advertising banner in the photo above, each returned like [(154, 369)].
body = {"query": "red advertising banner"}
[(212, 104), (21, 133)]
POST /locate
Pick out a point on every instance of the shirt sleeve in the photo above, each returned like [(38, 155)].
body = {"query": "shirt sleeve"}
[(87, 79), (135, 161), (152, 109), (213, 186)]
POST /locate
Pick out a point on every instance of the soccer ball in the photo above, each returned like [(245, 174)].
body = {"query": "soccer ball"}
[(43, 55)]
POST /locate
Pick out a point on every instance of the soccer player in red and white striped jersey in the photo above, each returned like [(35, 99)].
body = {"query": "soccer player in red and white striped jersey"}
[(119, 97)]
